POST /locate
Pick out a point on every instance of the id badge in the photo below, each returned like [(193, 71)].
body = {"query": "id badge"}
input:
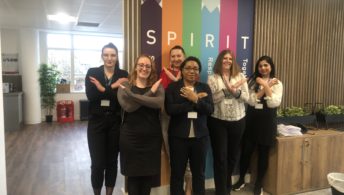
[(192, 115), (258, 106), (228, 101), (105, 103)]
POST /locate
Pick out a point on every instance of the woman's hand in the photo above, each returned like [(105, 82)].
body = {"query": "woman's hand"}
[(229, 87), (261, 82), (155, 86), (118, 83), (97, 84), (273, 82), (189, 94), (202, 95), (239, 83), (170, 75), (179, 75), (121, 86)]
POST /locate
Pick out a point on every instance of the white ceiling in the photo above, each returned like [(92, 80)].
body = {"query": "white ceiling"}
[(33, 14)]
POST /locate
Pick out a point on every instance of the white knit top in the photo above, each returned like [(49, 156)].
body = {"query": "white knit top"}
[(228, 108)]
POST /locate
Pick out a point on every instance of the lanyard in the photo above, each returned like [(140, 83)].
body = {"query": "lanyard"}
[(108, 81)]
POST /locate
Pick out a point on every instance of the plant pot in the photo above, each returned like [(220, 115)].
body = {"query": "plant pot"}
[(290, 120), (338, 118), (49, 118)]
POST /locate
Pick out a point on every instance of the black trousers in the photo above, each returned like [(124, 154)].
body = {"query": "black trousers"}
[(248, 147), (182, 150), (140, 185), (103, 139), (225, 139)]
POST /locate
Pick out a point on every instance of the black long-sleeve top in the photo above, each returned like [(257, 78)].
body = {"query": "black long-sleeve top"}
[(95, 96), (178, 107)]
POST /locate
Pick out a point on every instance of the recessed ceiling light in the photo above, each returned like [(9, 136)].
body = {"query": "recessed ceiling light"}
[(62, 18)]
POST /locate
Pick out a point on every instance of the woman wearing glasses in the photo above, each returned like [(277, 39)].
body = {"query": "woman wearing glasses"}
[(104, 119), (189, 103), (140, 137)]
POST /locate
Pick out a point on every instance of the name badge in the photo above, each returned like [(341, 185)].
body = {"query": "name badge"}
[(258, 106), (105, 103), (228, 101), (192, 115)]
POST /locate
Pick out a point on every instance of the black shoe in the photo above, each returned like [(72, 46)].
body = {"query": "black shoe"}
[(238, 185), (258, 190)]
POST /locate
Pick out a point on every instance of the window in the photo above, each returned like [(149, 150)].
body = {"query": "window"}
[(75, 54)]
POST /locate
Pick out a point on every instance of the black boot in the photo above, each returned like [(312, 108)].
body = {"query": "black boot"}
[(239, 185), (258, 189)]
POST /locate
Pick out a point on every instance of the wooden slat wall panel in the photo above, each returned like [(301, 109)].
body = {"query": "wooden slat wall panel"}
[(132, 27), (305, 38)]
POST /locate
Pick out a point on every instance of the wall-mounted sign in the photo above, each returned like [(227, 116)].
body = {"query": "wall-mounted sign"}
[(9, 63), (202, 27)]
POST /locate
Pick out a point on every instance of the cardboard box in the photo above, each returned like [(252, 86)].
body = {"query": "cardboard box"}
[(63, 88)]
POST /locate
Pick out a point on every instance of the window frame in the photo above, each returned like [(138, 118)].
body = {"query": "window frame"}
[(73, 49)]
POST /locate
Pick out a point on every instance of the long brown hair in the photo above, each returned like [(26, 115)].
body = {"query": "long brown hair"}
[(153, 74), (234, 70)]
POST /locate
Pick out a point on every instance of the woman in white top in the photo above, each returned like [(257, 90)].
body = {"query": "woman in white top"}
[(226, 125), (265, 96)]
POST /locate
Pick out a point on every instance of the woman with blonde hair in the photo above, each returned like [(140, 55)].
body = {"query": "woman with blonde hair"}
[(226, 125)]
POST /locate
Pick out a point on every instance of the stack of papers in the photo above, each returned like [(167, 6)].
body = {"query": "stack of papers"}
[(288, 130)]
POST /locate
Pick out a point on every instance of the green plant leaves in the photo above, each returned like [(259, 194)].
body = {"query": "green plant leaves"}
[(332, 110), (292, 111), (48, 78)]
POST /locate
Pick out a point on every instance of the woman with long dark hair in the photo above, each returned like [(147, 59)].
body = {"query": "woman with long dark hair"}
[(261, 127), (104, 118)]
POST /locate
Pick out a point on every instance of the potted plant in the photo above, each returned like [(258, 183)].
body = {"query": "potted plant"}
[(48, 78), (294, 115), (333, 114)]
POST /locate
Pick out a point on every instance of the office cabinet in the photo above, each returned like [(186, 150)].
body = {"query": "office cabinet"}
[(299, 164), (12, 110)]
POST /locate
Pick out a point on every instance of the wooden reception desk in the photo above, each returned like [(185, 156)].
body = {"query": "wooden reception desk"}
[(299, 164)]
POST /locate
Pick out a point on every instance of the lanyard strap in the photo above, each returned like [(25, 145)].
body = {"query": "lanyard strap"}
[(108, 81)]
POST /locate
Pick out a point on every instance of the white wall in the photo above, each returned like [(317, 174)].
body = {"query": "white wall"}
[(10, 45), (10, 41), (3, 188)]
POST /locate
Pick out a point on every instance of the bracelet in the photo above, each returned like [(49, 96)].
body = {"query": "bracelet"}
[(226, 93), (238, 94)]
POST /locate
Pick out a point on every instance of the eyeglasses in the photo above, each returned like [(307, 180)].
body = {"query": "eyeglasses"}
[(147, 66), (189, 69)]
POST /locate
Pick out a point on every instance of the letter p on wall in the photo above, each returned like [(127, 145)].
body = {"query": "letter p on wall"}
[(171, 36)]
